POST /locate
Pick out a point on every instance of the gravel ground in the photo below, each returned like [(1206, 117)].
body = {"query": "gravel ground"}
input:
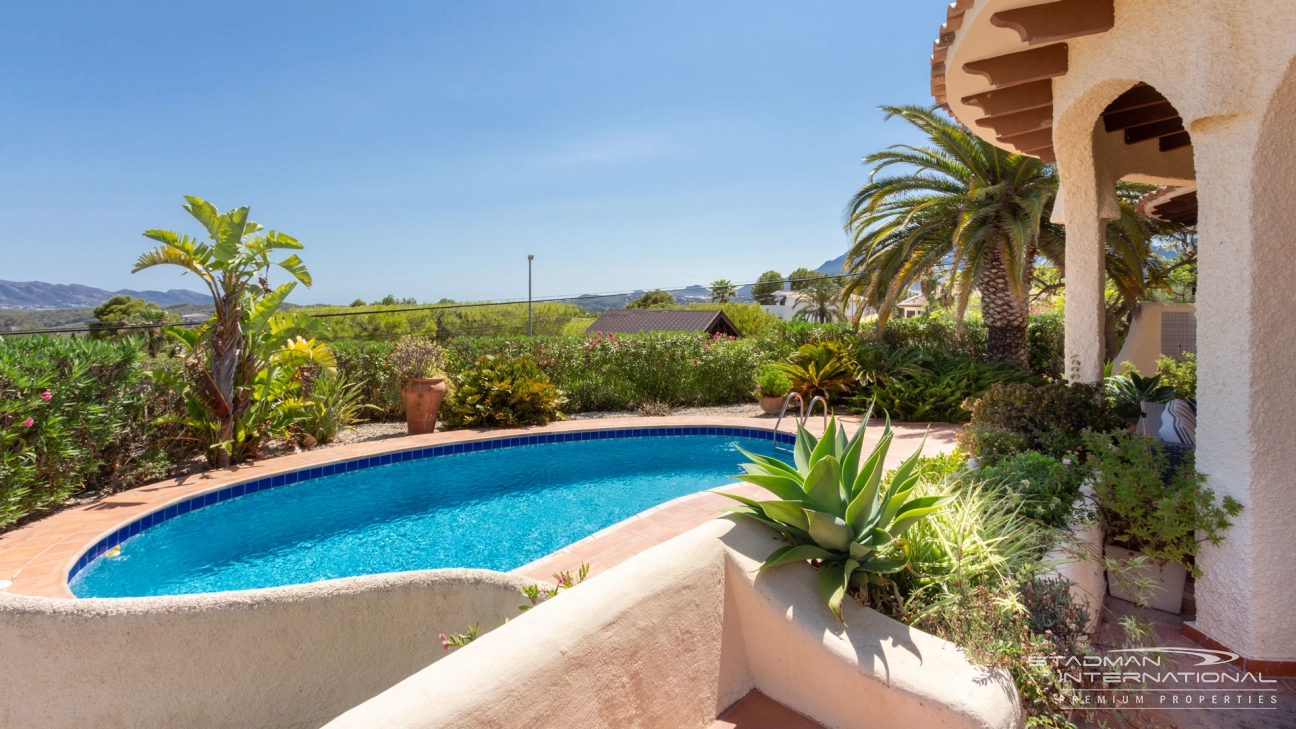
[(365, 432), (742, 410)]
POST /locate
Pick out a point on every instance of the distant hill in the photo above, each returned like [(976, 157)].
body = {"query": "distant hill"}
[(38, 295), (689, 295), (833, 267)]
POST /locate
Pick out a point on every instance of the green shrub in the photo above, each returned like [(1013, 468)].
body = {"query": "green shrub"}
[(771, 382), (1179, 374), (976, 579), (938, 468), (1046, 345), (625, 372), (499, 392), (935, 336), (78, 414), (1013, 418), (368, 366), (1147, 507), (938, 336), (935, 393), (750, 319), (333, 405), (376, 323), (784, 338), (1046, 488), (547, 319)]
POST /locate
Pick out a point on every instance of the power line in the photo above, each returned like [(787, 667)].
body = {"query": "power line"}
[(421, 307)]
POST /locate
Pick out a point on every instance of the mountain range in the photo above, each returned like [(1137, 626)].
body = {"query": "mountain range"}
[(696, 293), (38, 295)]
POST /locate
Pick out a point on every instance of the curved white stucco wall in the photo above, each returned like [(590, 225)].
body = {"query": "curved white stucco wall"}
[(292, 656), (678, 633)]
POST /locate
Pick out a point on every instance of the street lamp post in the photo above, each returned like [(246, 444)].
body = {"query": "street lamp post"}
[(530, 258)]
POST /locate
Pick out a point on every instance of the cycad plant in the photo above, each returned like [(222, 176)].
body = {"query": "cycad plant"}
[(835, 507), (820, 368), (1130, 389)]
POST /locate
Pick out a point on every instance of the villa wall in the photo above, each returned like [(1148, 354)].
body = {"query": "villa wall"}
[(1143, 342), (678, 633), (291, 657), (1222, 64)]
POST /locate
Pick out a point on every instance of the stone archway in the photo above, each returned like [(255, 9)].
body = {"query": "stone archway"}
[(1119, 128)]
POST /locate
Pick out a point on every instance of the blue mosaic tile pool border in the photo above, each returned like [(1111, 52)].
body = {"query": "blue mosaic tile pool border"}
[(414, 454)]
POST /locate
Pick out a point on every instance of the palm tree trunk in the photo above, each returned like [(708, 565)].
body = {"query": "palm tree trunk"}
[(225, 341), (1006, 315)]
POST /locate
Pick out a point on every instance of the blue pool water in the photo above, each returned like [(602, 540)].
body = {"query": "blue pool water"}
[(496, 509)]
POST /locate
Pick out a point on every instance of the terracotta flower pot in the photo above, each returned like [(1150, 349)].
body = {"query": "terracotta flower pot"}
[(771, 405), (423, 398)]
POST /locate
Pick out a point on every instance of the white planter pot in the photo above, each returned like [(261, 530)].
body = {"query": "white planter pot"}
[(1080, 563), (1167, 577)]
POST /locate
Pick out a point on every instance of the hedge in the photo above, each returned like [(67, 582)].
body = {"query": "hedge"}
[(77, 414)]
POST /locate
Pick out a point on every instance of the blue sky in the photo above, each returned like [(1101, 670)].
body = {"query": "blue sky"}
[(424, 148)]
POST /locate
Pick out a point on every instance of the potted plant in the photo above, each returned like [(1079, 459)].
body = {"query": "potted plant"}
[(772, 385), (1150, 510), (1131, 390), (418, 364)]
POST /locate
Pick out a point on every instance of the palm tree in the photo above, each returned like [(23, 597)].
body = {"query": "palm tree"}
[(226, 358), (967, 208), (722, 291), (820, 302)]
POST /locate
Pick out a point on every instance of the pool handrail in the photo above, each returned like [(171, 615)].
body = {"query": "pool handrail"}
[(810, 410), (788, 401)]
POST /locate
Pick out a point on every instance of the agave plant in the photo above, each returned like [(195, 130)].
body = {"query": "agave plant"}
[(834, 507)]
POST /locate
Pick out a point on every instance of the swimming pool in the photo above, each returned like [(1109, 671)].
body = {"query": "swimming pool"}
[(495, 504)]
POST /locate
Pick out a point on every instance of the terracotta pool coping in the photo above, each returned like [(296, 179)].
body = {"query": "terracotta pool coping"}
[(37, 558)]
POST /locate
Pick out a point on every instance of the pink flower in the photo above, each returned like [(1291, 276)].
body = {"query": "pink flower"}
[(28, 423), (445, 642), (46, 396), (1066, 461)]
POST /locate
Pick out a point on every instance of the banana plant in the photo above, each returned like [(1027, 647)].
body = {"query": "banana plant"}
[(230, 265), (279, 348), (834, 506)]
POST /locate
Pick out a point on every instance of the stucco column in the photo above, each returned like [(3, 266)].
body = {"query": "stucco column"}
[(1085, 273), (1246, 424)]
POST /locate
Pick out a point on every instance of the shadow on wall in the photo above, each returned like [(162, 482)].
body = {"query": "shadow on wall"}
[(680, 632), (292, 656)]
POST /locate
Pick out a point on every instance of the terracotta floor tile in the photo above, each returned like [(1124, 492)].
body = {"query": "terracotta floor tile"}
[(758, 711)]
